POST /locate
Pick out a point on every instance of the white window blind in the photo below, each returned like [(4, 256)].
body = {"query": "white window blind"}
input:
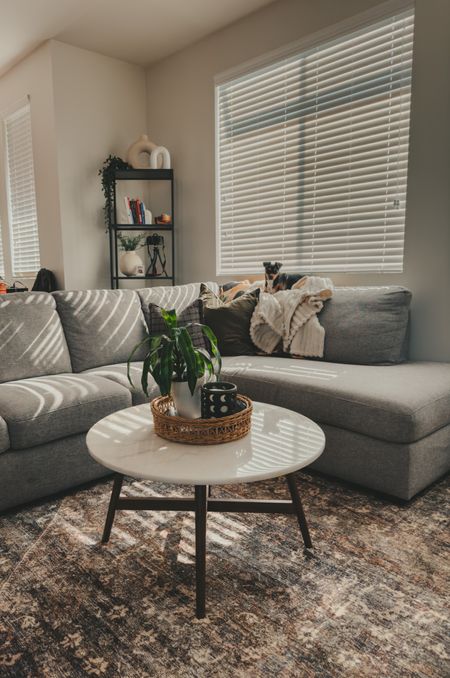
[(312, 155), (21, 193)]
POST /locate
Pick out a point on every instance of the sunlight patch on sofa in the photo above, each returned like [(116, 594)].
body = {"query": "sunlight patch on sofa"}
[(299, 370), (113, 311), (117, 328), (98, 302), (6, 340), (50, 349)]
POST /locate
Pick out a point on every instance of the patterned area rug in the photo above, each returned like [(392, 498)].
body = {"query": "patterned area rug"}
[(370, 601)]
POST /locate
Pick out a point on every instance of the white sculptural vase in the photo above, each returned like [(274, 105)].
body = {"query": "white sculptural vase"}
[(142, 147), (160, 156), (129, 263)]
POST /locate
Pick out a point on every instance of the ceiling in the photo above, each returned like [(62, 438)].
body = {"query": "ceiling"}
[(138, 31)]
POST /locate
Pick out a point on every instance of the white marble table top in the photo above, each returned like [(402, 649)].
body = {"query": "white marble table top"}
[(280, 442)]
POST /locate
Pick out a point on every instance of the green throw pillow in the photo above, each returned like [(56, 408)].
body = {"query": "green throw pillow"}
[(230, 322)]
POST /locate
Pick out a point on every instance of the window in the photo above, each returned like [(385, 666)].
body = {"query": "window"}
[(22, 215), (312, 155)]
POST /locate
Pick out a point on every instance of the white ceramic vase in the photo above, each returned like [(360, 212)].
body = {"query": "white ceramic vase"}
[(187, 405), (142, 146), (129, 262), (156, 154)]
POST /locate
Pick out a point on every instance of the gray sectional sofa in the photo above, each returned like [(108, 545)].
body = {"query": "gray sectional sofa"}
[(63, 367)]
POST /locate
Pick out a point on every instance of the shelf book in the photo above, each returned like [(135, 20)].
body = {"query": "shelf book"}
[(136, 211)]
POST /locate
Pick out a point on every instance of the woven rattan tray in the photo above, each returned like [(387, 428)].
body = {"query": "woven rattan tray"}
[(200, 431)]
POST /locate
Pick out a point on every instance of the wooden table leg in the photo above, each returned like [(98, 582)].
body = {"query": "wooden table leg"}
[(201, 504), (115, 494), (292, 484)]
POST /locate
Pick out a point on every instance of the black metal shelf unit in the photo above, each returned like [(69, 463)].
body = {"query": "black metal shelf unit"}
[(114, 227)]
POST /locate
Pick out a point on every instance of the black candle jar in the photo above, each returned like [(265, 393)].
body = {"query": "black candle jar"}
[(218, 399)]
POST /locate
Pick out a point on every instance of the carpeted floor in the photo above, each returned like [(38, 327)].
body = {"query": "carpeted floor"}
[(370, 601)]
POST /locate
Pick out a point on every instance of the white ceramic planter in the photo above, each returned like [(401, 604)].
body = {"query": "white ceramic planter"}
[(129, 262), (187, 405)]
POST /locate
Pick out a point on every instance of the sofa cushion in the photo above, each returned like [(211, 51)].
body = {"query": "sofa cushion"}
[(4, 437), (42, 409), (192, 314), (118, 373), (399, 469), (366, 325), (230, 322), (398, 403), (32, 341), (36, 472), (177, 297), (101, 326), (234, 290)]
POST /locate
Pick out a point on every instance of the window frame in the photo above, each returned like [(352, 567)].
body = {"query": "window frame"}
[(359, 22), (5, 202)]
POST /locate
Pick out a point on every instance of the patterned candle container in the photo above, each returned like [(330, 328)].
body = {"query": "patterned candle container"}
[(218, 399)]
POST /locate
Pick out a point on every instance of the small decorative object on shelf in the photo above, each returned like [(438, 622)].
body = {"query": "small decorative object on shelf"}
[(142, 146), (201, 431), (218, 399), (156, 253), (177, 366), (130, 263), (155, 157), (163, 219), (156, 154)]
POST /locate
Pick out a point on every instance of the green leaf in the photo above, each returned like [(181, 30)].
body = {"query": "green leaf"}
[(206, 359), (145, 372), (133, 352), (188, 352), (200, 364), (165, 369), (152, 361), (170, 318), (207, 331)]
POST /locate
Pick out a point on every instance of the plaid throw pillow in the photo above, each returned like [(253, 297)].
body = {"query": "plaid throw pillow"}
[(191, 314), (209, 298)]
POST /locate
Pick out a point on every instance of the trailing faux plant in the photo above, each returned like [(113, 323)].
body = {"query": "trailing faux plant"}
[(173, 357), (130, 243), (107, 173)]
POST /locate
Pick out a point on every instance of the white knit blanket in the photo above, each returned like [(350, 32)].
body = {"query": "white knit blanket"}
[(290, 316)]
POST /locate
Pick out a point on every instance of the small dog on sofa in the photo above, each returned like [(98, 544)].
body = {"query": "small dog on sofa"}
[(276, 281)]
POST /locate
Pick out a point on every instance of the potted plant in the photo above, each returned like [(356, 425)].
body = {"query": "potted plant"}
[(177, 366), (130, 262)]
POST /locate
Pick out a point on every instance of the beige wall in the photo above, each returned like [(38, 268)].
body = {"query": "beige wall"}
[(84, 106), (33, 77), (100, 106), (181, 116)]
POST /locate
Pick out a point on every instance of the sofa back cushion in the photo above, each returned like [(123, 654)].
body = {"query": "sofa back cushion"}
[(177, 297), (101, 326), (32, 341), (366, 325)]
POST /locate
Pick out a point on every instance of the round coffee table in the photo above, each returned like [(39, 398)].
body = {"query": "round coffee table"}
[(280, 443)]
